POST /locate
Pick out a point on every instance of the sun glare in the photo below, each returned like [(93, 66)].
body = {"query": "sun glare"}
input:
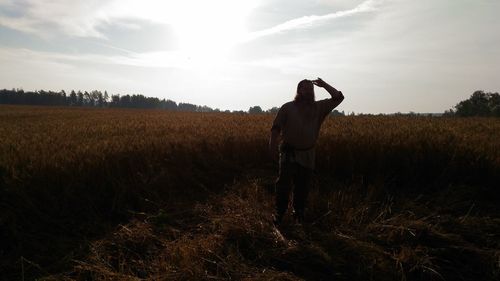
[(205, 31)]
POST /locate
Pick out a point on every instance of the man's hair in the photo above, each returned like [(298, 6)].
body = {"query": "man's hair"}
[(305, 92)]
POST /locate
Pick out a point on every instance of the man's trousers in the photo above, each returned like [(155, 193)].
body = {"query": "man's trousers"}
[(300, 177)]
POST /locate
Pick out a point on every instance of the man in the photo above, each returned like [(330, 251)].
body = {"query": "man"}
[(298, 123)]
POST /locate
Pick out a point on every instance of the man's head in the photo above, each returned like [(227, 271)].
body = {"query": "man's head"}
[(305, 92)]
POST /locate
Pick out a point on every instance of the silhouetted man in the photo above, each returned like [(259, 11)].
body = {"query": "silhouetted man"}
[(298, 123)]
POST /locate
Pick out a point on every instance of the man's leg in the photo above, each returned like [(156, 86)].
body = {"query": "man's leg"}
[(283, 187), (302, 180)]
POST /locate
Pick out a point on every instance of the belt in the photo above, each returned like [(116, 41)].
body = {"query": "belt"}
[(286, 147)]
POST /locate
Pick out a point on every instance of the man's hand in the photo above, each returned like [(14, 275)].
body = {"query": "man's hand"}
[(274, 154), (274, 144), (320, 83)]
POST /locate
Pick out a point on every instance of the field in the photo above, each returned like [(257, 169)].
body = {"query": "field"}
[(115, 194)]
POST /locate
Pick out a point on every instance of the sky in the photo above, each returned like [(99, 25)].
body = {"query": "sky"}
[(385, 55)]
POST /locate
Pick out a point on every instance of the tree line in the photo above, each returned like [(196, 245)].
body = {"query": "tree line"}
[(104, 100), (480, 103), (92, 99), (95, 99)]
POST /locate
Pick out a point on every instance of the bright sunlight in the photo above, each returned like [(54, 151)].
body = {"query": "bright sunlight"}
[(205, 30)]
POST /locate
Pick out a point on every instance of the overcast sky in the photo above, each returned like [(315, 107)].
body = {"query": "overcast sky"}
[(385, 55)]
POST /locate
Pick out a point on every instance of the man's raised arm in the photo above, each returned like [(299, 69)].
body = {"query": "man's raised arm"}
[(336, 94), (327, 105)]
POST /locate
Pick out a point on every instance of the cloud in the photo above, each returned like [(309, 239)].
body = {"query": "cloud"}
[(47, 18), (50, 18), (160, 59), (83, 18), (309, 21)]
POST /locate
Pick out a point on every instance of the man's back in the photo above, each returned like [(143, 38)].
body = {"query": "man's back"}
[(300, 123)]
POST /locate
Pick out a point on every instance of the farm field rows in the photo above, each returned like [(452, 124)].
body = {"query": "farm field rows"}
[(116, 194)]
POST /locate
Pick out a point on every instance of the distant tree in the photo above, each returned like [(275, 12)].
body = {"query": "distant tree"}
[(98, 96), (273, 110), (449, 112), (170, 105), (187, 107), (137, 101), (479, 104), (72, 98), (255, 110), (115, 101), (204, 109), (125, 101), (337, 113), (106, 98), (87, 99), (63, 98), (494, 104), (80, 99), (495, 111)]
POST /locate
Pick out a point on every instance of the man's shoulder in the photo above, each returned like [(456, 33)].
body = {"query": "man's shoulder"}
[(324, 102), (287, 105)]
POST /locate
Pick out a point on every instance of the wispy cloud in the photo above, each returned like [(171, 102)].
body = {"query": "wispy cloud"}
[(309, 21), (163, 59), (47, 18)]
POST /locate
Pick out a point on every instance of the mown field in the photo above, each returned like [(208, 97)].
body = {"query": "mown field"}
[(105, 194)]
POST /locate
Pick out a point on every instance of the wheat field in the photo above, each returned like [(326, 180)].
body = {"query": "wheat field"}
[(117, 194)]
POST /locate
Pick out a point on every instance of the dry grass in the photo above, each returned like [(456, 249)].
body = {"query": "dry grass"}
[(231, 237)]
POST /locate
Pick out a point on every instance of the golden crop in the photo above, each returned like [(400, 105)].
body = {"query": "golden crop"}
[(39, 139)]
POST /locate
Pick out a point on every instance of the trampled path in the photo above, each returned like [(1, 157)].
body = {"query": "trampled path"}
[(231, 237)]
